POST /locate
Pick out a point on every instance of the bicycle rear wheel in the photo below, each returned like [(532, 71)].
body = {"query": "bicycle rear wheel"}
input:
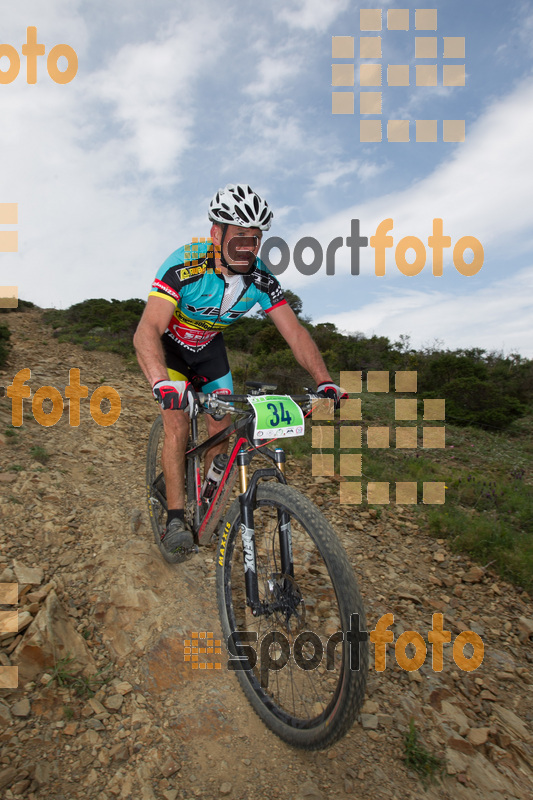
[(303, 684), (156, 493)]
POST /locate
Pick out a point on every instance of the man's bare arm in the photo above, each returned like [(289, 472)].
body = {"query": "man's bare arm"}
[(147, 339), (299, 340)]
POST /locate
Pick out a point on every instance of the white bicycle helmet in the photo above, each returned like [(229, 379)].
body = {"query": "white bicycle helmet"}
[(238, 204)]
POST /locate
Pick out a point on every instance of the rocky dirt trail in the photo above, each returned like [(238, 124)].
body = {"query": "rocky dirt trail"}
[(75, 536)]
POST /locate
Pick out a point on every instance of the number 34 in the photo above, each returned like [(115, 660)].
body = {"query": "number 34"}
[(276, 419)]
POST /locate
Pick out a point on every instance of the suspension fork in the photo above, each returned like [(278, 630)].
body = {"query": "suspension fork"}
[(247, 502), (284, 524)]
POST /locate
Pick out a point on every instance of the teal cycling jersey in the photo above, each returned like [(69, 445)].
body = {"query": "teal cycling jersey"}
[(190, 280)]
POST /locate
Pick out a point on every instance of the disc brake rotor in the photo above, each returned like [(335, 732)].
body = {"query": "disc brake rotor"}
[(288, 603)]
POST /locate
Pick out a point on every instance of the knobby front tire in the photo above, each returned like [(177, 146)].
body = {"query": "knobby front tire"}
[(313, 707)]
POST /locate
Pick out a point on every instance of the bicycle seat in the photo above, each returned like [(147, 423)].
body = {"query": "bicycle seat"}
[(261, 388)]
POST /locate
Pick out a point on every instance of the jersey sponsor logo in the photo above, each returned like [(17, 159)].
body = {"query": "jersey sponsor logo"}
[(207, 311), (165, 288), (191, 338), (181, 319), (268, 284), (189, 272), (212, 311), (193, 346)]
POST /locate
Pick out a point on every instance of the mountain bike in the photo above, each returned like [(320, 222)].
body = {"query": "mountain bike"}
[(286, 592)]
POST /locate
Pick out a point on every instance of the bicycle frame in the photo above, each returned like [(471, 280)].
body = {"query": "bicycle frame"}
[(205, 524), (193, 458)]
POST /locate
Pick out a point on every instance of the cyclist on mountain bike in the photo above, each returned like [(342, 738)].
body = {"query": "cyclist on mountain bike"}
[(199, 290)]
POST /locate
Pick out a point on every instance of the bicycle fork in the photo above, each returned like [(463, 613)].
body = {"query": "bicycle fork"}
[(247, 502)]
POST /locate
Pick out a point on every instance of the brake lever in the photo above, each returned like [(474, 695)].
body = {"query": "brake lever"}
[(215, 404)]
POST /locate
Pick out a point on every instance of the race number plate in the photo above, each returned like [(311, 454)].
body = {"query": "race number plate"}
[(276, 416)]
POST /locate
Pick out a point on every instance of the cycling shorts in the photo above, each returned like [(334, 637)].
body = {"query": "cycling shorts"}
[(208, 369)]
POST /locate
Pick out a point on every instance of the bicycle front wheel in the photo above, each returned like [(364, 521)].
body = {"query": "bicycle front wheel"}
[(295, 661)]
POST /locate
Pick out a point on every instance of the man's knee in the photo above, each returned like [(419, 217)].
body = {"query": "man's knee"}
[(214, 426), (176, 424)]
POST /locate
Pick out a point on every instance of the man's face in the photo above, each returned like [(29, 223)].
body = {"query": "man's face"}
[(241, 245)]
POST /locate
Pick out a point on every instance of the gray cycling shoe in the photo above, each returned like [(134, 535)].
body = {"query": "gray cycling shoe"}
[(177, 542)]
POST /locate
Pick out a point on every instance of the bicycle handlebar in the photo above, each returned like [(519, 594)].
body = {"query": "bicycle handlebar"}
[(214, 402)]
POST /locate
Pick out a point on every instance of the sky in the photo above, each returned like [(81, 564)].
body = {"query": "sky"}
[(172, 100)]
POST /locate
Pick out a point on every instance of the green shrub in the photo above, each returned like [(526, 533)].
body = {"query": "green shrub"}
[(98, 324), (472, 401), (23, 305), (486, 390)]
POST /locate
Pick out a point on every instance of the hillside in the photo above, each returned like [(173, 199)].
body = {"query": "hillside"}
[(75, 536)]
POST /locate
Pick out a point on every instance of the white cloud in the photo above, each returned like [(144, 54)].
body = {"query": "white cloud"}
[(82, 160), (483, 190), (314, 15), (498, 316), (337, 169), (275, 73), (268, 135), (61, 22), (150, 88)]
